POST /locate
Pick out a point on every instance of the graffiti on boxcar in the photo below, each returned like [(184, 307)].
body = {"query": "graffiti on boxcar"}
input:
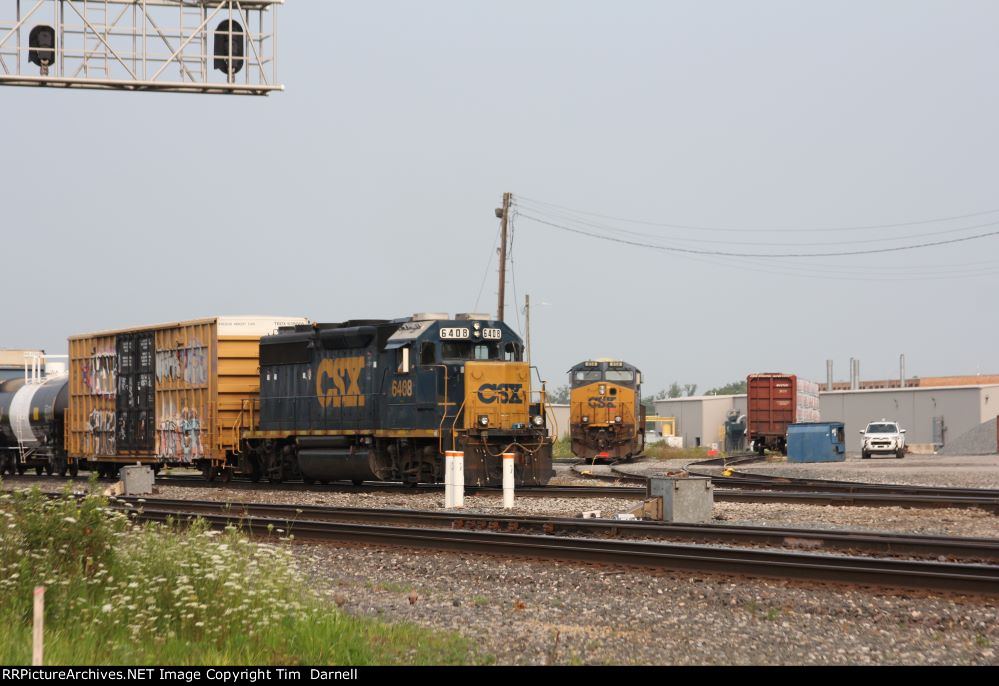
[(99, 436), (188, 364), (98, 373), (180, 434)]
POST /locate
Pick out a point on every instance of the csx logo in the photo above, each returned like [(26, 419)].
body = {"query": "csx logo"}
[(338, 382), (601, 401), (503, 393)]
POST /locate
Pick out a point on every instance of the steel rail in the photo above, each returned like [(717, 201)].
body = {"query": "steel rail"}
[(877, 542), (632, 492), (936, 576)]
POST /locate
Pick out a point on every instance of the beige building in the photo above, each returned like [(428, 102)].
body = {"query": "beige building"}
[(12, 362), (560, 413), (700, 420)]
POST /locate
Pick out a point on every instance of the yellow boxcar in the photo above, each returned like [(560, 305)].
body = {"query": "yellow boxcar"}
[(163, 394)]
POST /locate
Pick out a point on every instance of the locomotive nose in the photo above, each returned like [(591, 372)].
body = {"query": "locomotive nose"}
[(497, 395)]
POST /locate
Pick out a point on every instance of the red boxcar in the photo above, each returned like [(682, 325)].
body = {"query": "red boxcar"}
[(774, 402)]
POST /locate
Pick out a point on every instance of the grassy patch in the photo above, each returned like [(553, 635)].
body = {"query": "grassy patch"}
[(562, 448), (121, 593), (661, 451)]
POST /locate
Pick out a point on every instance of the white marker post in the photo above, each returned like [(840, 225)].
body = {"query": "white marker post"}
[(508, 459), (39, 633), (454, 479)]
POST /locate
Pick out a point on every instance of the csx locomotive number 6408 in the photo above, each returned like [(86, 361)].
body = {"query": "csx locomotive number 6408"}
[(383, 400), (606, 416)]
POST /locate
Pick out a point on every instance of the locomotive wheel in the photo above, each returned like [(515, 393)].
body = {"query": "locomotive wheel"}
[(309, 480), (21, 469), (49, 469), (63, 468), (74, 469), (38, 471), (226, 475), (324, 482), (276, 473), (209, 472)]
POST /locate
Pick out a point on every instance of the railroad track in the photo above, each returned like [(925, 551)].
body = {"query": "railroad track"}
[(874, 542), (936, 576), (989, 504)]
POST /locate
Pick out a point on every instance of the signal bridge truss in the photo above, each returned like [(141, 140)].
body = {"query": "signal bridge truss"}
[(185, 46)]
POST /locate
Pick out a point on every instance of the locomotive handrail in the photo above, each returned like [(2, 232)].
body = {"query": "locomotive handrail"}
[(454, 431)]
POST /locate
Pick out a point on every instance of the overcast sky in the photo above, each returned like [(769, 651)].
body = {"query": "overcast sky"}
[(367, 188)]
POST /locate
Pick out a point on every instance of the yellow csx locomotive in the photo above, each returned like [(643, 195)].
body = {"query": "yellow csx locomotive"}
[(606, 416)]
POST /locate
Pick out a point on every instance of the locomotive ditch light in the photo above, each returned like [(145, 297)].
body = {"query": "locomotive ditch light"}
[(538, 420), (223, 49), (483, 420), (586, 420), (41, 47), (617, 419)]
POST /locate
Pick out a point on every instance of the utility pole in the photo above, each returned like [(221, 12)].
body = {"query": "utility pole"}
[(503, 213), (527, 317)]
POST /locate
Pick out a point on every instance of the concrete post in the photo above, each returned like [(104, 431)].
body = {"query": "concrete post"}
[(454, 479), (38, 633), (508, 485)]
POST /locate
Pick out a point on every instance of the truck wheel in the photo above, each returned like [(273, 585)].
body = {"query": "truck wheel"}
[(900, 453), (865, 455)]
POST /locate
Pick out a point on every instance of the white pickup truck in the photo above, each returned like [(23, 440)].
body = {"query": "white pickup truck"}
[(882, 438)]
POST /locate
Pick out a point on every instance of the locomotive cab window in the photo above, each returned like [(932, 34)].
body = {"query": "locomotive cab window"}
[(587, 376), (428, 353), (619, 376), (463, 350), (511, 352), (402, 360)]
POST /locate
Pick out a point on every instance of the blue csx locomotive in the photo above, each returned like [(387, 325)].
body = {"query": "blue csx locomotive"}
[(383, 400)]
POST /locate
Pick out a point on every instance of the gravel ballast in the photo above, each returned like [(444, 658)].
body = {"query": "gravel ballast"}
[(979, 441), (535, 613)]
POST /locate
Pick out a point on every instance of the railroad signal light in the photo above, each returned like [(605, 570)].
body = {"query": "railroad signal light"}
[(223, 49), (41, 47)]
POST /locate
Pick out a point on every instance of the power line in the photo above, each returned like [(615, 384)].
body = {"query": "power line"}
[(699, 241), (486, 274), (695, 227), (513, 268), (722, 253)]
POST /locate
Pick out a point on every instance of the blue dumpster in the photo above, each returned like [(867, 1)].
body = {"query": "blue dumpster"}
[(816, 442)]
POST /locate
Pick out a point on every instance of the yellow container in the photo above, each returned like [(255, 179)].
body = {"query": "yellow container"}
[(167, 393)]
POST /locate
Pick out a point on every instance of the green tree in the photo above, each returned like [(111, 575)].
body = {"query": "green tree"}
[(559, 396), (734, 388)]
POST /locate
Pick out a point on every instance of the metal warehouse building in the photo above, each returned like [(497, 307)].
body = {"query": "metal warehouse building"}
[(932, 416)]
